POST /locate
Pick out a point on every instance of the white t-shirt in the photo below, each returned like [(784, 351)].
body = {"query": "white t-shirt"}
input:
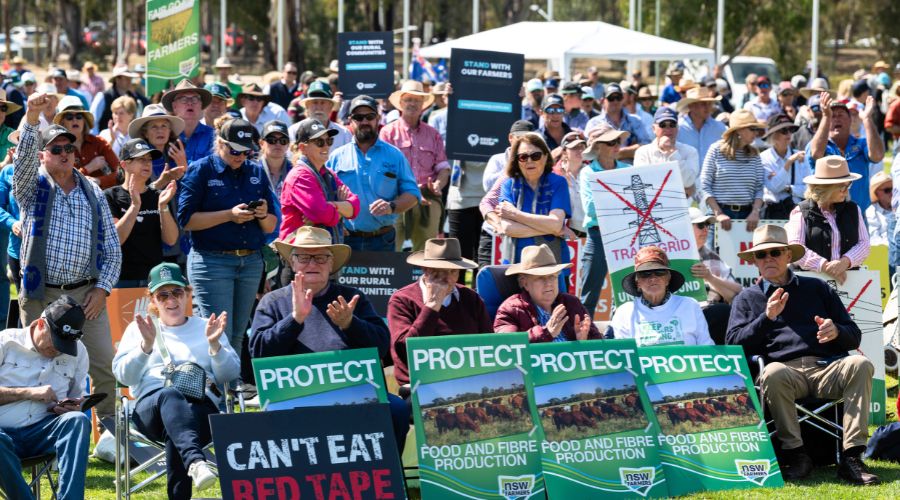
[(678, 321)]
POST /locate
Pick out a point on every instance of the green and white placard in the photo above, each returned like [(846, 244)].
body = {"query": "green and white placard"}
[(173, 42)]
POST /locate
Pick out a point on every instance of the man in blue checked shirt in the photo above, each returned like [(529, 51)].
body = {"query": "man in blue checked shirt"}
[(379, 175)]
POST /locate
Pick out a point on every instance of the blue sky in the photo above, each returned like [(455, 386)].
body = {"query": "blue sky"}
[(451, 388), (544, 393), (658, 391), (348, 395)]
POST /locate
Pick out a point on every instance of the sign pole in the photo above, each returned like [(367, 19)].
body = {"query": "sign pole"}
[(814, 58), (280, 30), (720, 30), (223, 26), (405, 71), (120, 23)]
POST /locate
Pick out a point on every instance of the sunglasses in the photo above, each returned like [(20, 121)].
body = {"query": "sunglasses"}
[(610, 144), (234, 152), (278, 140), (320, 142), (816, 109), (363, 118), (764, 86), (554, 111), (535, 156), (703, 225), (659, 273), (785, 131), (291, 72), (762, 254), (249, 98), (178, 293), (886, 190), (757, 130), (58, 150), (72, 116), (304, 259), (668, 124), (614, 98), (3, 108)]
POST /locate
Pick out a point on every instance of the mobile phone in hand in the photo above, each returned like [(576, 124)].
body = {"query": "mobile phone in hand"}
[(254, 204)]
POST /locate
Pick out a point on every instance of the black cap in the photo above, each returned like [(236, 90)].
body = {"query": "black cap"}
[(275, 127), (552, 100), (58, 72), (570, 88), (65, 320), (859, 88), (611, 89), (240, 135), (311, 128), (135, 148), (521, 127), (363, 100), (52, 132)]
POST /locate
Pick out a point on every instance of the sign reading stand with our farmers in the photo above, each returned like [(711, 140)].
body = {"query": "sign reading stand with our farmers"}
[(599, 441), (366, 62), (476, 429), (711, 432), (643, 206), (173, 42)]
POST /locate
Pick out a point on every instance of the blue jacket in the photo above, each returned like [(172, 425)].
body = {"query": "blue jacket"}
[(9, 210)]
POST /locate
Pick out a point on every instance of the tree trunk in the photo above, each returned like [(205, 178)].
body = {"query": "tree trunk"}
[(70, 22), (270, 46)]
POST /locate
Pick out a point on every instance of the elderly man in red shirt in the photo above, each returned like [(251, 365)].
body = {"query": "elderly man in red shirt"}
[(423, 147)]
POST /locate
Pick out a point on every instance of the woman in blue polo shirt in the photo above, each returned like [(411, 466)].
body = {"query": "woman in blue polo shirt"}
[(227, 203)]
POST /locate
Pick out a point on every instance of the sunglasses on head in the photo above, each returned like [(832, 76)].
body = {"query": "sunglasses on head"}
[(72, 116), (659, 273), (363, 118), (535, 156), (774, 253), (163, 296), (234, 152), (614, 98), (554, 111), (668, 124), (277, 140), (321, 142), (58, 150)]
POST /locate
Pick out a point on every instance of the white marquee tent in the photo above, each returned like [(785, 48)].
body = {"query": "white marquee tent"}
[(560, 42)]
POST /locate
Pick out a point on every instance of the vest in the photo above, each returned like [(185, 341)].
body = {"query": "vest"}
[(110, 95), (818, 231), (329, 188)]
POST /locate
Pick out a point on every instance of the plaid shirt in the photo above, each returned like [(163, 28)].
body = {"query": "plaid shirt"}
[(69, 235)]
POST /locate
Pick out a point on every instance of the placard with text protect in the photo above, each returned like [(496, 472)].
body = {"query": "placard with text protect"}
[(366, 63)]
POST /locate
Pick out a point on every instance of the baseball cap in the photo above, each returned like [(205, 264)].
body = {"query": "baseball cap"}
[(534, 84), (52, 132), (552, 83), (520, 127), (611, 89), (319, 90), (65, 320), (552, 100), (135, 148), (275, 127), (587, 93), (570, 88), (239, 134), (58, 73), (218, 90), (363, 100), (311, 128), (859, 87), (665, 113), (167, 273), (697, 216)]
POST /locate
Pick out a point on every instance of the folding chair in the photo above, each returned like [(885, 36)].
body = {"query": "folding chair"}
[(40, 466)]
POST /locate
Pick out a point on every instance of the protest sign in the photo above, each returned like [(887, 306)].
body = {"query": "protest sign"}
[(350, 376), (337, 452), (173, 42), (473, 407), (378, 275), (739, 239), (597, 438), (366, 62), (642, 206), (712, 436), (860, 295), (484, 103)]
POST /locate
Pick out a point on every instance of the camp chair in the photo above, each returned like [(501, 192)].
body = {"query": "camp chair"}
[(811, 411), (494, 286), (40, 466)]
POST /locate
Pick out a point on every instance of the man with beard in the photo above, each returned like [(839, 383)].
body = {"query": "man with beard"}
[(319, 103), (379, 175)]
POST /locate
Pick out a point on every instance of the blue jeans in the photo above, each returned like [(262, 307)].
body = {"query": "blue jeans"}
[(593, 270), (383, 243), (4, 279), (68, 435), (226, 283), (710, 238)]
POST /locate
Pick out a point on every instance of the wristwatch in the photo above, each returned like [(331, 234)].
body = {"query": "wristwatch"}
[(393, 206)]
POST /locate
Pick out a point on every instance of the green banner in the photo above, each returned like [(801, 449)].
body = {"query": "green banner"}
[(598, 440), (173, 42), (352, 376), (712, 436), (476, 427)]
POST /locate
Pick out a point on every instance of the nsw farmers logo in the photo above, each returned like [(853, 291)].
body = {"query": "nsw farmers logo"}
[(638, 480), (755, 471), (516, 486), (475, 140), (364, 86)]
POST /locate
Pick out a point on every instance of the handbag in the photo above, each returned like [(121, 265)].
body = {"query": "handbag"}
[(188, 377)]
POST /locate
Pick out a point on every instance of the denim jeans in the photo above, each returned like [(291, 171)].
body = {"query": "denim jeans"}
[(741, 215), (4, 279), (383, 243), (165, 415), (593, 270), (226, 283), (68, 435)]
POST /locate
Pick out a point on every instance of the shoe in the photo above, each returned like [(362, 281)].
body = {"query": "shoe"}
[(853, 470), (201, 475), (797, 467)]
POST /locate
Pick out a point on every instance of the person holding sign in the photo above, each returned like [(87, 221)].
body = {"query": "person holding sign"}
[(803, 330), (827, 223), (657, 316), (540, 309), (164, 413)]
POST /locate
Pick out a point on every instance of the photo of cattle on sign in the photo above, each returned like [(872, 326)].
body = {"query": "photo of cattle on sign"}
[(703, 404), (591, 406), (475, 408)]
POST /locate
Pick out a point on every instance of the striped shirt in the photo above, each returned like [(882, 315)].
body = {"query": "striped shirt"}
[(811, 261), (732, 182)]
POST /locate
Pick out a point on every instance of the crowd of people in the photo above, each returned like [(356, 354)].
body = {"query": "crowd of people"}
[(246, 200)]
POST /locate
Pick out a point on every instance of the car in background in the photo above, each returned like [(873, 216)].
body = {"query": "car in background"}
[(14, 47), (735, 73), (27, 37)]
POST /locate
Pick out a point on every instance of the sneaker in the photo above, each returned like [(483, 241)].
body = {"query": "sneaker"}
[(203, 477), (796, 467), (853, 470)]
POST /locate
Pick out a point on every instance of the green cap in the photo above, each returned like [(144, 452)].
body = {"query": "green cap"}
[(166, 273)]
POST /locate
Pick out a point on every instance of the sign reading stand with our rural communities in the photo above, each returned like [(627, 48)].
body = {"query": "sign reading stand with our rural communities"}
[(366, 63), (173, 42)]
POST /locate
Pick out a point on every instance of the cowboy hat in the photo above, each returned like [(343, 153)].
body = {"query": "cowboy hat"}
[(685, 84), (154, 112), (779, 122), (251, 89), (183, 87), (738, 120), (537, 260), (696, 94), (876, 182), (441, 253), (72, 104), (121, 71), (831, 169), (411, 87), (11, 107), (769, 236), (313, 237), (817, 86), (648, 259), (19, 60), (645, 93)]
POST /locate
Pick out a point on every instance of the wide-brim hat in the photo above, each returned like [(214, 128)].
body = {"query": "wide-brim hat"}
[(411, 87), (876, 182), (121, 71), (72, 104), (602, 133), (11, 107), (739, 120), (185, 86), (779, 122), (313, 237), (769, 236), (648, 259), (154, 112), (832, 169), (808, 92), (223, 62), (646, 93), (696, 94), (441, 253), (537, 260)]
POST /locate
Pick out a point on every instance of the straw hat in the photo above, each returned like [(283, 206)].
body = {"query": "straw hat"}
[(696, 94), (648, 259), (411, 87), (72, 104), (881, 65), (183, 87), (154, 112), (441, 253), (878, 180), (686, 84), (11, 107), (537, 260), (121, 71), (817, 86), (738, 120), (831, 169), (313, 237), (19, 60), (769, 236)]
